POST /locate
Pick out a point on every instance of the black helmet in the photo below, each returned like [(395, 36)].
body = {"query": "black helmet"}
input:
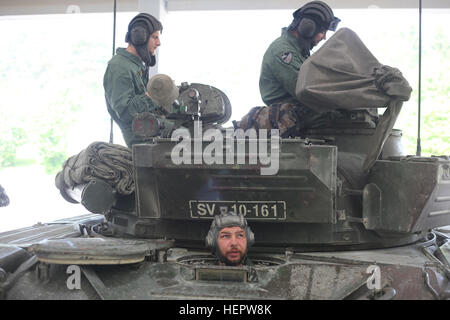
[(223, 220), (139, 36), (314, 17), (140, 28)]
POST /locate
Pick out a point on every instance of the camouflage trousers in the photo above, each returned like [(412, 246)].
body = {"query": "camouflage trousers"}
[(284, 117), (293, 120)]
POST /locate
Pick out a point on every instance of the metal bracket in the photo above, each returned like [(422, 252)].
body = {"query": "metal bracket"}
[(43, 272), (428, 284), (96, 283)]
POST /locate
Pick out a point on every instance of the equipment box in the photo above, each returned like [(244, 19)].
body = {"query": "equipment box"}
[(303, 190)]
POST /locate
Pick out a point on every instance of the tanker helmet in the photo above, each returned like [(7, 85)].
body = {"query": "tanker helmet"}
[(312, 18), (140, 28), (224, 220)]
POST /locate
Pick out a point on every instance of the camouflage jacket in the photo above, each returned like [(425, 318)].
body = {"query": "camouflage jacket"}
[(279, 70), (125, 88)]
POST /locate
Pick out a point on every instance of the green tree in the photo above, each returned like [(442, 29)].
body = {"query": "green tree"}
[(435, 109), (52, 131), (12, 138)]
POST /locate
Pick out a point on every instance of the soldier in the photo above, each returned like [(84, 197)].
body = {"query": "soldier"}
[(229, 238), (4, 200), (282, 60), (127, 74)]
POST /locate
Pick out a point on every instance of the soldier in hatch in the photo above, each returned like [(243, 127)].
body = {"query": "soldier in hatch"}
[(126, 77), (229, 238), (284, 57)]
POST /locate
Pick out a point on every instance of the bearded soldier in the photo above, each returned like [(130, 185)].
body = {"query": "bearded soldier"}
[(229, 238)]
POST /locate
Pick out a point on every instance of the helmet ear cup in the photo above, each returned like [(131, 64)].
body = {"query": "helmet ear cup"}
[(142, 26), (209, 240), (211, 237), (307, 27), (250, 237), (138, 35)]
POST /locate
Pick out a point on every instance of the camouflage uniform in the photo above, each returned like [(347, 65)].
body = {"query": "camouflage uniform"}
[(125, 86), (277, 116)]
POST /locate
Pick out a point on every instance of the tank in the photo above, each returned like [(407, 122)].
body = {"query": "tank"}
[(338, 212), (324, 228)]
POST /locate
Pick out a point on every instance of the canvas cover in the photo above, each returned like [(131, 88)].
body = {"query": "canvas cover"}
[(343, 74)]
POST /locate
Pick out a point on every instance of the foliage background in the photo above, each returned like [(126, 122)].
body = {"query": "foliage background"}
[(50, 81)]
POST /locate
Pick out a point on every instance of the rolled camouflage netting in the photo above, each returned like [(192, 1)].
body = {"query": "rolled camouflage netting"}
[(109, 162)]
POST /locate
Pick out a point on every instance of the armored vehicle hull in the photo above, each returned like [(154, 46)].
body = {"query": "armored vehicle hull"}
[(324, 230), (165, 272)]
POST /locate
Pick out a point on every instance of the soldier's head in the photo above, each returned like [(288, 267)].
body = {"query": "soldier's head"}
[(311, 23), (229, 238), (143, 33)]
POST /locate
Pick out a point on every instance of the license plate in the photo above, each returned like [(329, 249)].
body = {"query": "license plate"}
[(252, 210)]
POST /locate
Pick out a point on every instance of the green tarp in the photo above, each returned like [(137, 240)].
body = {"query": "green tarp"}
[(343, 74)]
